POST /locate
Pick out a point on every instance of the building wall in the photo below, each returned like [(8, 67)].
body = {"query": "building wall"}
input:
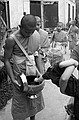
[(18, 7), (72, 3), (26, 6), (63, 9), (16, 12)]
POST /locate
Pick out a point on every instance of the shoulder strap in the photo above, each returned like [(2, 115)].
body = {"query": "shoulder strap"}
[(21, 47)]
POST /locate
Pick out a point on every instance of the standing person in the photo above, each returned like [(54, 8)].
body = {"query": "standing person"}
[(44, 41), (22, 106), (68, 23), (59, 38), (72, 35), (77, 22)]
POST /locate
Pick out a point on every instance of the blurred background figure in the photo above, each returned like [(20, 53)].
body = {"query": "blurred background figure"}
[(73, 35), (77, 22), (68, 23), (44, 41), (59, 38)]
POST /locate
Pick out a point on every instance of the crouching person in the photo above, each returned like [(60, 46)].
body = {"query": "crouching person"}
[(61, 74)]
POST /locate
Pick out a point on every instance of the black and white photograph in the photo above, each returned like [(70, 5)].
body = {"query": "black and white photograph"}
[(39, 59)]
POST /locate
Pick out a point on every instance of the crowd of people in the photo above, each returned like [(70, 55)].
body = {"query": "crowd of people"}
[(36, 44)]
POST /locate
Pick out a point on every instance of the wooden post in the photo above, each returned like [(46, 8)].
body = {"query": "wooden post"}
[(7, 14)]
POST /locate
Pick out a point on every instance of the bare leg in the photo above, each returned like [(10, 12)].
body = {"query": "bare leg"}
[(32, 117)]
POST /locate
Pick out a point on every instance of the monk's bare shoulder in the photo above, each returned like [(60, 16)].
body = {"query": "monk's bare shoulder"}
[(9, 43)]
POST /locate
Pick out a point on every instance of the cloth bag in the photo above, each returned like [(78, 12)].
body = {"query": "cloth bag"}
[(30, 68)]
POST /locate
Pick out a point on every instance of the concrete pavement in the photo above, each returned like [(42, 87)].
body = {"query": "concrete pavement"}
[(54, 105)]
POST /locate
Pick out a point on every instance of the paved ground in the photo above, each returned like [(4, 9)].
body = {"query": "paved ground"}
[(54, 105)]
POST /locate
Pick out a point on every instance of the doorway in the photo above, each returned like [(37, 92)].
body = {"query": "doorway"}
[(50, 14), (35, 8)]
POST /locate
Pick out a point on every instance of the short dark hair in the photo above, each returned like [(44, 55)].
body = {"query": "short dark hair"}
[(28, 21)]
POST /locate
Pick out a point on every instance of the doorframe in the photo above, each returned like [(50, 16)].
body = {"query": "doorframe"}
[(42, 14)]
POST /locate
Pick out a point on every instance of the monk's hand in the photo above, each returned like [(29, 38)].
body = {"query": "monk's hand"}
[(40, 79), (17, 84)]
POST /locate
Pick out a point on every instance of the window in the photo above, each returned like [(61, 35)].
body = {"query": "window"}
[(72, 12), (68, 11)]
